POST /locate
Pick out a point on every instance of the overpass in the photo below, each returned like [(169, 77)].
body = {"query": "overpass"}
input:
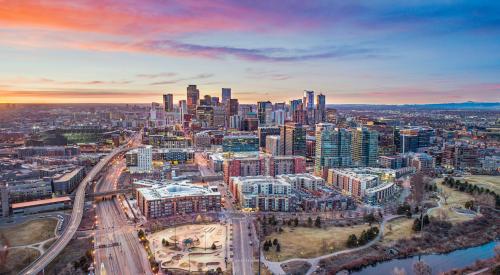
[(98, 196), (76, 215)]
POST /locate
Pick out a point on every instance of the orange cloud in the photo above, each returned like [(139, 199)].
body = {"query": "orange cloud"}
[(126, 18)]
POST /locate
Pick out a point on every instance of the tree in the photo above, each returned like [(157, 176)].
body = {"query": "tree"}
[(421, 268), (278, 247), (309, 221), (369, 218), (352, 241), (317, 222), (416, 225), (296, 222), (214, 247), (275, 242), (445, 196)]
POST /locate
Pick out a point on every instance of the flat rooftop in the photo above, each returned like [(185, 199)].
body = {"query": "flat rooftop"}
[(40, 202)]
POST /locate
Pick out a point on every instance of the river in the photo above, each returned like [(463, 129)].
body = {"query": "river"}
[(438, 262)]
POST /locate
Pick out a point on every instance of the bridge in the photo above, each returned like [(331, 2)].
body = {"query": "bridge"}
[(98, 196), (76, 215)]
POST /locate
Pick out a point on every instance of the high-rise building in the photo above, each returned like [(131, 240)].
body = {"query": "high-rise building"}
[(278, 117), (233, 106), (333, 148), (207, 100), (264, 110), (364, 147), (273, 145), (193, 96), (226, 95), (293, 139), (183, 110), (264, 131), (168, 102), (205, 114), (308, 100), (140, 160), (295, 105), (320, 108)]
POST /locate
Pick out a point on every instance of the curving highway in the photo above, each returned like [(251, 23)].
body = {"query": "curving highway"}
[(76, 215)]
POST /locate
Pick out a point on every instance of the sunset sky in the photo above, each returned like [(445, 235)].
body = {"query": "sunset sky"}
[(352, 51)]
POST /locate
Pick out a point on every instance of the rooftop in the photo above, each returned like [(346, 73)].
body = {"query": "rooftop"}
[(174, 190), (40, 202)]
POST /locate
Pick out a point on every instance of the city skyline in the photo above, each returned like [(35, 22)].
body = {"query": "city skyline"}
[(367, 52)]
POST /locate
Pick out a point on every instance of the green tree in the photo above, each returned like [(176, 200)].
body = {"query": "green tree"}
[(309, 221), (317, 222), (352, 241)]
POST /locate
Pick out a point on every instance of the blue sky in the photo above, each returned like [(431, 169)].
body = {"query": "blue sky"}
[(352, 51)]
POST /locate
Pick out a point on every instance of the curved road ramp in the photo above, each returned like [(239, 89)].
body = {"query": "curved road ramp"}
[(76, 217)]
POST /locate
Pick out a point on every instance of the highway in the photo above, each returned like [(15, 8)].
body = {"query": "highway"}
[(76, 215), (118, 250)]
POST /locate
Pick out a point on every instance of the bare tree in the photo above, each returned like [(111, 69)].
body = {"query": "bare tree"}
[(421, 268), (445, 196)]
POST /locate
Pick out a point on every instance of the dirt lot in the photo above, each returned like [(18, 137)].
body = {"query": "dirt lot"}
[(398, 229), (309, 242), (17, 259), (29, 232), (490, 182)]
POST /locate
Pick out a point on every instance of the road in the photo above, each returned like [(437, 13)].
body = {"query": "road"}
[(76, 215), (243, 251), (118, 250)]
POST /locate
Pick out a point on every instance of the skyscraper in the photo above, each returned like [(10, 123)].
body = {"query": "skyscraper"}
[(320, 108), (168, 102), (182, 109), (364, 147), (233, 106), (308, 100), (333, 148), (293, 139), (226, 95), (264, 110), (193, 96)]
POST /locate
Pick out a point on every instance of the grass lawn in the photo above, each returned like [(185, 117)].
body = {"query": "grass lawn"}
[(489, 182), (397, 229), (309, 242), (455, 199), (29, 232), (17, 259)]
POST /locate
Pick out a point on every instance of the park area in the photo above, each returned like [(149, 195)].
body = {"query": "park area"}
[(397, 229), (24, 243), (455, 200), (197, 247), (29, 232), (490, 182), (310, 242)]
